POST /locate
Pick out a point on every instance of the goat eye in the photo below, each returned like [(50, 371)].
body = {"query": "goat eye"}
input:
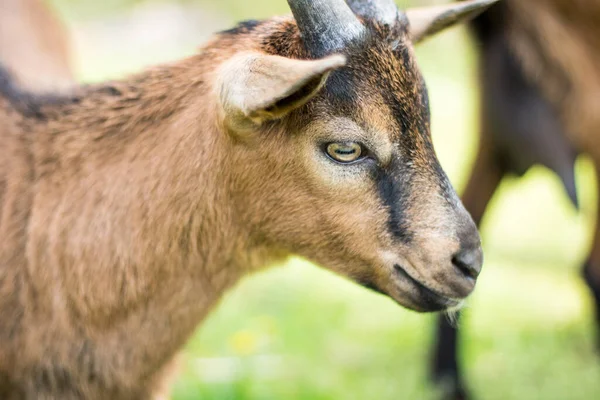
[(346, 152)]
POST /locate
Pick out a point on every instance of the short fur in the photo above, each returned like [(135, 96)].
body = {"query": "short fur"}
[(128, 208)]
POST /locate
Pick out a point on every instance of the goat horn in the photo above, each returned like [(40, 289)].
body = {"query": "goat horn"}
[(384, 11), (326, 25)]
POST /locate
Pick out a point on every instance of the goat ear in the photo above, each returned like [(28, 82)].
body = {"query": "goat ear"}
[(260, 87), (427, 21)]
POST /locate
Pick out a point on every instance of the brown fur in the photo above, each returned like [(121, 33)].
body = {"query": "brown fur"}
[(130, 207), (34, 45)]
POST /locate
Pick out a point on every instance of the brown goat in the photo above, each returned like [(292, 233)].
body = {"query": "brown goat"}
[(34, 44), (128, 208), (540, 77)]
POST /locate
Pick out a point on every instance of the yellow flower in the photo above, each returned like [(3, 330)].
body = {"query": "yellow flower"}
[(243, 343)]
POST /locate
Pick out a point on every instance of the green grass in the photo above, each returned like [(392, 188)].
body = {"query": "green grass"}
[(298, 332), (301, 333)]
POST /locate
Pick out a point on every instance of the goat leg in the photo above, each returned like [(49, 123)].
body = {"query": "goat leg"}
[(591, 270)]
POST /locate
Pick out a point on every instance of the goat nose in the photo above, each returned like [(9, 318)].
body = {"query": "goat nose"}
[(469, 261)]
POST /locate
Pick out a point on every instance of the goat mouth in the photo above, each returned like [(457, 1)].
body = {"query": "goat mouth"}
[(423, 298)]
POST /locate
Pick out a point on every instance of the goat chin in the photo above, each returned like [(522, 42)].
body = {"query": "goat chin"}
[(453, 313)]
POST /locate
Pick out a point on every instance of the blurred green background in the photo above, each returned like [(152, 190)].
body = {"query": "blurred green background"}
[(298, 332)]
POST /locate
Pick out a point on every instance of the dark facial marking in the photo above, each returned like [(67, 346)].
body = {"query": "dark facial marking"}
[(411, 111), (393, 187), (341, 89), (408, 102)]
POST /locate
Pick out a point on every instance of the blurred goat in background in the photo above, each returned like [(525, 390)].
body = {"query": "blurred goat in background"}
[(34, 45), (540, 92)]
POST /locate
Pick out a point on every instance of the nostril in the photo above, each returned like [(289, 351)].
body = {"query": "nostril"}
[(468, 262)]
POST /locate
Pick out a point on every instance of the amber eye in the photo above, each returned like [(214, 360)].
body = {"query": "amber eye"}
[(345, 152)]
